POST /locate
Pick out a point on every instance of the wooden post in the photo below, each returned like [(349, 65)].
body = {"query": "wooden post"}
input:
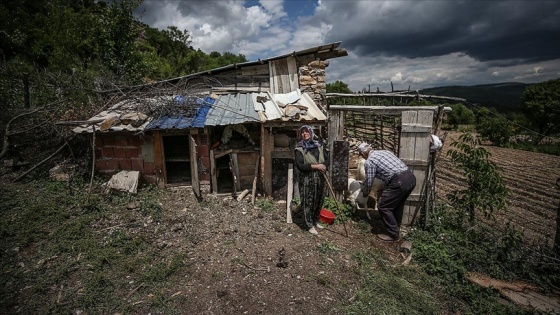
[(194, 168), (255, 179), (93, 158), (235, 170), (159, 159), (213, 174), (290, 192)]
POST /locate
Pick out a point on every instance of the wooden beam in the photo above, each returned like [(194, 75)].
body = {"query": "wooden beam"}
[(383, 110)]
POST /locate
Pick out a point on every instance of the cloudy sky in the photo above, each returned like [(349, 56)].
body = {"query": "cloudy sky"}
[(410, 43)]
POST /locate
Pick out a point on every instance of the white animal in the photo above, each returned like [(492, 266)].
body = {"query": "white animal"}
[(356, 197), (376, 188)]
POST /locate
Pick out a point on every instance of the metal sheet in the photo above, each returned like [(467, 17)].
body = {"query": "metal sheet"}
[(232, 109)]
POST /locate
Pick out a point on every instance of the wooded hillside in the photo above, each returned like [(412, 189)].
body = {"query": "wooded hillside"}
[(504, 97)]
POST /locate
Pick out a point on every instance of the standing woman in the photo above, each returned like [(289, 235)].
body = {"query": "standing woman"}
[(311, 161)]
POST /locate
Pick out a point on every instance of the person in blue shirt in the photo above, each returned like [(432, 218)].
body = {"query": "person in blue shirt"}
[(399, 183)]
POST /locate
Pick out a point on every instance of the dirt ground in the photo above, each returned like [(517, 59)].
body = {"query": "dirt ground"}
[(244, 259), (249, 261)]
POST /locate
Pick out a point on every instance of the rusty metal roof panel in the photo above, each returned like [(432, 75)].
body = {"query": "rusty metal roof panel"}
[(116, 118)]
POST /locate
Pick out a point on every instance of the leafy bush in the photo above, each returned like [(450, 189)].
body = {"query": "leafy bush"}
[(497, 130), (485, 189), (449, 248)]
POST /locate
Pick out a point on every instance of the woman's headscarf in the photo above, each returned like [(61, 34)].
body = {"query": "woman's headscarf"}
[(311, 143)]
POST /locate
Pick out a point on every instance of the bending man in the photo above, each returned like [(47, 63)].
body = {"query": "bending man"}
[(399, 183)]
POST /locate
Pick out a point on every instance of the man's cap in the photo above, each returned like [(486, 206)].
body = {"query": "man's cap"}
[(364, 146)]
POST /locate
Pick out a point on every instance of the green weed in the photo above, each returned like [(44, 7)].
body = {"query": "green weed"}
[(266, 204)]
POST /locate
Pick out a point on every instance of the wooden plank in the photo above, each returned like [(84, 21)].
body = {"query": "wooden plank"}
[(290, 193), (422, 152), (255, 179), (292, 74), (408, 140), (415, 162), (235, 170), (283, 75), (267, 143), (409, 209), (415, 128), (159, 160), (213, 174), (194, 168), (255, 70)]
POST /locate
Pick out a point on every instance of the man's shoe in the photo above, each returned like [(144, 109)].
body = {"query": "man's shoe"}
[(319, 226), (313, 231), (387, 238)]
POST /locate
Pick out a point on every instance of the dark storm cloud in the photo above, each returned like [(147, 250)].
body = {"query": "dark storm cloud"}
[(485, 30)]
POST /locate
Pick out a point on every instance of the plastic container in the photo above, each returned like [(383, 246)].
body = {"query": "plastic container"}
[(326, 216)]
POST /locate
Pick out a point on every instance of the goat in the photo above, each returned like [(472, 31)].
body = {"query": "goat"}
[(356, 198), (377, 186)]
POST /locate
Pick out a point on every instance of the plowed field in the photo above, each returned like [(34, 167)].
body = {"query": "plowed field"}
[(531, 178)]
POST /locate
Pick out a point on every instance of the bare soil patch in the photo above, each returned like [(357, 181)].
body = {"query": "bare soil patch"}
[(243, 260)]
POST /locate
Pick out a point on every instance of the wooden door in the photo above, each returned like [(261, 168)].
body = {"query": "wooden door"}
[(414, 150)]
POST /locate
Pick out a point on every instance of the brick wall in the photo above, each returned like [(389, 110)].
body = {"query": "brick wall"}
[(122, 152)]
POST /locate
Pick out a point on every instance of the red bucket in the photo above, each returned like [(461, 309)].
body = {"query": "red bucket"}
[(326, 216)]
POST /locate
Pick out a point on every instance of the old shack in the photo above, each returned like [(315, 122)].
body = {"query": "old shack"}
[(232, 128)]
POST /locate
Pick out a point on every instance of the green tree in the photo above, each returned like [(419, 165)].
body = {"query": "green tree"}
[(338, 87), (541, 105), (460, 115), (495, 129), (485, 189)]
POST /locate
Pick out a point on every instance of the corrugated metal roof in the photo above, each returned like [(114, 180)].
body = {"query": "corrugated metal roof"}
[(183, 121), (232, 109), (215, 110)]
